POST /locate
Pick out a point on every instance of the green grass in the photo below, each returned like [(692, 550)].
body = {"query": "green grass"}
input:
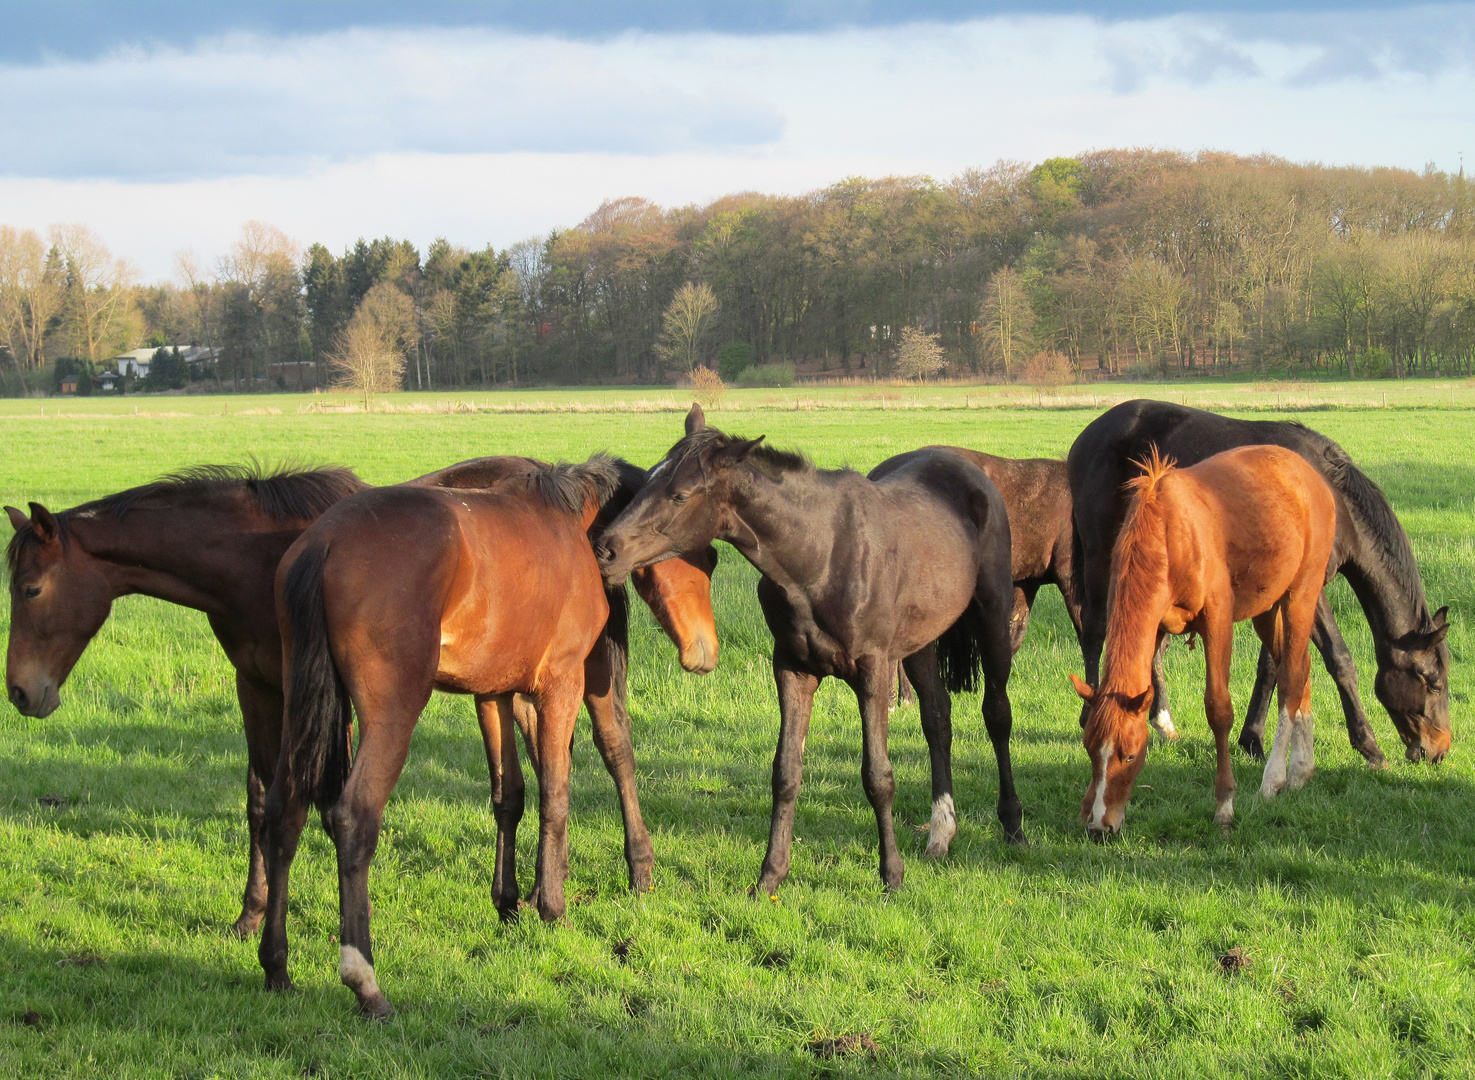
[(1351, 899)]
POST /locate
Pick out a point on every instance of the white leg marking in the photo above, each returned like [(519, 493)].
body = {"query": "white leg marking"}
[(944, 827), (1275, 765), (1303, 753), (1163, 724), (1098, 808), (1224, 813), (356, 972)]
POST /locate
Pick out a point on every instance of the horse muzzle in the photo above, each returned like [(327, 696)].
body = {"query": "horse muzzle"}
[(700, 657), (37, 702)]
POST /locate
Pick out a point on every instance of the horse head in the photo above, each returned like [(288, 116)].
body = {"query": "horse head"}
[(679, 592), (1413, 685), (1115, 737), (59, 599)]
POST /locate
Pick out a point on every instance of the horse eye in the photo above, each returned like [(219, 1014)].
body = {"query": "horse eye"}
[(679, 496), (1130, 758), (30, 592)]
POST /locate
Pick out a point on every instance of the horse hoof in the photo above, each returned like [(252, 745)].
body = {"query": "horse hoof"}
[(245, 927), (1376, 761), (280, 984), (376, 1008), (642, 881), (936, 850), (1254, 748)]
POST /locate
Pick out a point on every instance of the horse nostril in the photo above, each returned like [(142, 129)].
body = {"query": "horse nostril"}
[(17, 697)]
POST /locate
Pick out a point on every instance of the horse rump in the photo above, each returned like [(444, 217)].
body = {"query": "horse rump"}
[(318, 709)]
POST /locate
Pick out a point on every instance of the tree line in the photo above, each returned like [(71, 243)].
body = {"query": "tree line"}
[(1116, 261)]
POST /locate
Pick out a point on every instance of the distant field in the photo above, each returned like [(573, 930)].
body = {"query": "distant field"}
[(1351, 899)]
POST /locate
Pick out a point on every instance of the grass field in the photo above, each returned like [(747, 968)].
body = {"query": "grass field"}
[(122, 830)]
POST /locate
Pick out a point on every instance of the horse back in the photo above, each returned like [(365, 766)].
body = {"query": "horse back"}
[(1036, 494)]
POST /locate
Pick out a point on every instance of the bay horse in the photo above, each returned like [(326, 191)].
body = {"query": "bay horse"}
[(399, 591), (1246, 534), (210, 538), (1372, 552), (910, 564)]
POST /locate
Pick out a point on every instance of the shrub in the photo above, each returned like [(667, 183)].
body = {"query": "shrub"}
[(1049, 369), (1375, 363), (919, 354), (733, 359), (767, 375), (706, 386)]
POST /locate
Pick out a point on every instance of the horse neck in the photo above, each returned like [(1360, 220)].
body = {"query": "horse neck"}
[(781, 526), (199, 557), (1137, 599), (1394, 603)]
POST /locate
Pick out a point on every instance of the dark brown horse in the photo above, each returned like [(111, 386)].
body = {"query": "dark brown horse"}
[(396, 592), (1246, 534), (910, 564), (1372, 552), (210, 538)]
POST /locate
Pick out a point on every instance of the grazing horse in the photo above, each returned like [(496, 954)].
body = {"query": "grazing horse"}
[(1372, 552), (1246, 534), (210, 538), (403, 590), (911, 564)]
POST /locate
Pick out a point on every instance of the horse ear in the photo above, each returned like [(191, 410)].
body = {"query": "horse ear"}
[(42, 523), (1440, 627), (696, 420), (1138, 703), (1083, 688), (18, 520), (743, 449)]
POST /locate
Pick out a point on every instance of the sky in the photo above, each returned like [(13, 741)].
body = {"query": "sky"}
[(165, 126)]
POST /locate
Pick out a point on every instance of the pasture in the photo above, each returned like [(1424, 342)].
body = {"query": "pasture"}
[(1331, 933)]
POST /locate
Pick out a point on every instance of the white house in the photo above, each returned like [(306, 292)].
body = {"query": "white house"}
[(136, 361)]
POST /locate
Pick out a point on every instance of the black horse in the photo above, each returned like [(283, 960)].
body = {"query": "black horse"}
[(910, 564), (1372, 552)]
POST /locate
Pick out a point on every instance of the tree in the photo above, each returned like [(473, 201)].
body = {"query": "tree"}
[(373, 348), (685, 324), (98, 289), (32, 287), (1008, 320), (919, 354)]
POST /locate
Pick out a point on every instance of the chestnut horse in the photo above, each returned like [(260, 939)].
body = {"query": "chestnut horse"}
[(1246, 534), (399, 591), (909, 563), (210, 538)]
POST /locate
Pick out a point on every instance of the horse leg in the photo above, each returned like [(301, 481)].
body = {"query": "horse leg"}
[(1300, 617), (1092, 573), (872, 689), (558, 709), (1218, 639), (611, 724), (937, 724), (1024, 602), (281, 829), (1270, 627), (906, 693), (1159, 716), (494, 713), (1252, 732), (261, 709), (795, 703), (998, 715), (1327, 637)]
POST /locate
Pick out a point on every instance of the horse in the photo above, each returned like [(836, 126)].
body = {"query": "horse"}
[(211, 538), (398, 591), (1245, 534), (1372, 552), (910, 563)]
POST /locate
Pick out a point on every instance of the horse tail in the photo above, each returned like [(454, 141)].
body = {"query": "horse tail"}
[(960, 650), (318, 711), (617, 635), (1154, 467)]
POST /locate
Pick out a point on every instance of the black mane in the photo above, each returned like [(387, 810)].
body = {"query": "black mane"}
[(1371, 508), (708, 441), (567, 487), (285, 493)]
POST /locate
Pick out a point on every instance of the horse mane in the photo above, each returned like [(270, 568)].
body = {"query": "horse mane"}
[(1371, 508), (568, 488), (771, 462), (287, 492)]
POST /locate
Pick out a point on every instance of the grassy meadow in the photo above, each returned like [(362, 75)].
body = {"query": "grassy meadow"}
[(122, 828)]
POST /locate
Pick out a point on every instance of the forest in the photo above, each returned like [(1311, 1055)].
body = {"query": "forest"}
[(1135, 262)]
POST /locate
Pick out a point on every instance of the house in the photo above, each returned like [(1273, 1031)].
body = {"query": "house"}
[(69, 385), (136, 362), (107, 381)]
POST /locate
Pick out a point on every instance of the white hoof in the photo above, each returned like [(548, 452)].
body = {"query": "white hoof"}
[(1162, 723), (944, 827)]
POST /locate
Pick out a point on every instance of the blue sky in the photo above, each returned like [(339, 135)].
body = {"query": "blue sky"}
[(166, 125)]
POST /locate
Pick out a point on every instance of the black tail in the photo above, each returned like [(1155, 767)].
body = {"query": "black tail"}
[(617, 634), (318, 712), (960, 651)]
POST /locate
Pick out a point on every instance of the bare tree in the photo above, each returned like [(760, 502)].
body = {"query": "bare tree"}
[(685, 324), (919, 354), (98, 288), (1008, 320), (373, 349), (30, 294)]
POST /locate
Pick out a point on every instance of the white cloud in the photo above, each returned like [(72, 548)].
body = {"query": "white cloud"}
[(491, 136)]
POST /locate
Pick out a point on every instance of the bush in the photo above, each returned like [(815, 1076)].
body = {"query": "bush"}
[(706, 386), (733, 359), (1049, 369), (167, 371), (767, 375), (71, 366), (1374, 364)]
